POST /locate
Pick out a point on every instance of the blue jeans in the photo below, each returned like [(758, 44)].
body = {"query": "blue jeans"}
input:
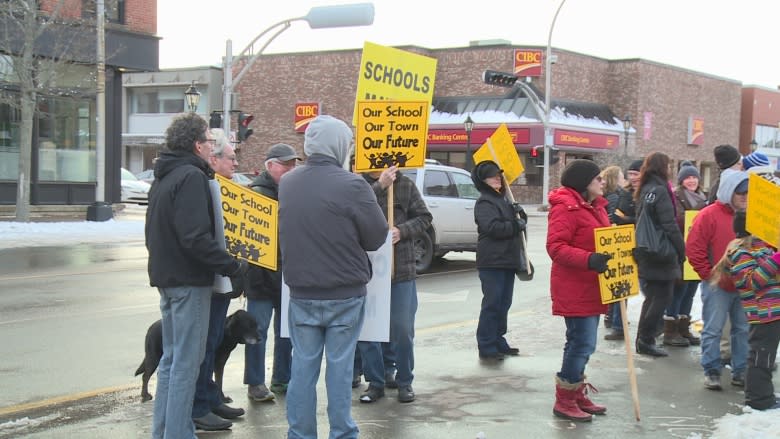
[(682, 300), (254, 355), (580, 344), (185, 324), (717, 305), (398, 355), (617, 319), (207, 395), (332, 326), (497, 289)]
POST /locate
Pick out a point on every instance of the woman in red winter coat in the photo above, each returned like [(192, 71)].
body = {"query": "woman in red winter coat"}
[(575, 210)]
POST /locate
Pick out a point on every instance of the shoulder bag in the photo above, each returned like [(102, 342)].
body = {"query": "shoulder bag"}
[(652, 244)]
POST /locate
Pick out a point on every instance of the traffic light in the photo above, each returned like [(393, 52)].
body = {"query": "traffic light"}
[(215, 121), (500, 79), (244, 131), (536, 155)]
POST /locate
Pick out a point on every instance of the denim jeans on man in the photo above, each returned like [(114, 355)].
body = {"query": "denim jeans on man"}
[(185, 324), (254, 363), (332, 326), (497, 290), (403, 308), (207, 394), (682, 299), (581, 333), (717, 306)]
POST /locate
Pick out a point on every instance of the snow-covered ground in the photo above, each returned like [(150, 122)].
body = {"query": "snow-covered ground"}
[(129, 226)]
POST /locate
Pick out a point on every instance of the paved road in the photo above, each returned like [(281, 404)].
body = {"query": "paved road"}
[(72, 323)]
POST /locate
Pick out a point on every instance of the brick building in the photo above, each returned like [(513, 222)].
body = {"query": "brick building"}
[(673, 110)]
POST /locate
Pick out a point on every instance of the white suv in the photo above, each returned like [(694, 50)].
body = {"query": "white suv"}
[(450, 196)]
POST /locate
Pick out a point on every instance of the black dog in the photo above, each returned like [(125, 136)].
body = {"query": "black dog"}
[(240, 327)]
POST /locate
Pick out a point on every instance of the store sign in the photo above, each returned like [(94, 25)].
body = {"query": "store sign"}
[(582, 139), (305, 112), (695, 131), (528, 62), (519, 136)]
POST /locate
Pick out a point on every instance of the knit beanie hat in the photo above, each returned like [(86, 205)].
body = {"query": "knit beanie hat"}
[(755, 159), (636, 165), (579, 173), (726, 156), (687, 171), (739, 224)]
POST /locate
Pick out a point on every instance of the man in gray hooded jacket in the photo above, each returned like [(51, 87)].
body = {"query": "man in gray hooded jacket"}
[(328, 219)]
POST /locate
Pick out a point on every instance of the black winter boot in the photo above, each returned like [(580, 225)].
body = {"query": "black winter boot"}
[(648, 347)]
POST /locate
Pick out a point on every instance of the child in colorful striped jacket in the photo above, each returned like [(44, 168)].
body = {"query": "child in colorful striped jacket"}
[(753, 266)]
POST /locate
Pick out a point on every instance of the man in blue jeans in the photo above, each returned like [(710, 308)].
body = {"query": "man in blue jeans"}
[(411, 220), (184, 256), (328, 219)]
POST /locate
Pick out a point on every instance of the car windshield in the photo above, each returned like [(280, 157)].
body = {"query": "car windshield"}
[(127, 175)]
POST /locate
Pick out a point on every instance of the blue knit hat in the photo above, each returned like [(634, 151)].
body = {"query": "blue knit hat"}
[(755, 159)]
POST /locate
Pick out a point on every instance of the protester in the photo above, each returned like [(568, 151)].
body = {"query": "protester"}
[(707, 241), (753, 266), (499, 257), (328, 219), (264, 293), (411, 220), (209, 412), (625, 213), (184, 256), (726, 157), (688, 195), (655, 200), (575, 210), (613, 189)]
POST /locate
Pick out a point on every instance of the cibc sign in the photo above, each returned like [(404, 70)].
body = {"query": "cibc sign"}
[(528, 62), (305, 112)]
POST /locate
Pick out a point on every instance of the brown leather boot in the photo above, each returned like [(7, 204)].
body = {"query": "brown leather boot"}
[(684, 326), (672, 335)]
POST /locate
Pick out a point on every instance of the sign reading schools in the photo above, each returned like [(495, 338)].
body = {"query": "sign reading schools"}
[(390, 133), (390, 73), (501, 149), (621, 279), (251, 221), (761, 218)]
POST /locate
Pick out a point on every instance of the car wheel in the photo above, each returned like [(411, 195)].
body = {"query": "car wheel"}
[(423, 253)]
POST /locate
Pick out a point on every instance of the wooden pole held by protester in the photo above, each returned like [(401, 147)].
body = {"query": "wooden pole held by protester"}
[(630, 358)]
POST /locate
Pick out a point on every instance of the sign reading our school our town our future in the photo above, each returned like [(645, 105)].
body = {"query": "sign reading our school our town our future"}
[(389, 73), (621, 279), (390, 133), (251, 221)]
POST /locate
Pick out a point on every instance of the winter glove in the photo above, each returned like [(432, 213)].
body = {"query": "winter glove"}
[(243, 267), (520, 211), (598, 262)]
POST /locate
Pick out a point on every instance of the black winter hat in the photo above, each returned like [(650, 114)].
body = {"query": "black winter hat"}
[(726, 156), (739, 224), (636, 165), (487, 169), (579, 173), (687, 171)]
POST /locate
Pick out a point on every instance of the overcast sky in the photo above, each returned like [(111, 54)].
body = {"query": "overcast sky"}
[(735, 40)]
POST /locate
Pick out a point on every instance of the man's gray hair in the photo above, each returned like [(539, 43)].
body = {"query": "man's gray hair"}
[(221, 141)]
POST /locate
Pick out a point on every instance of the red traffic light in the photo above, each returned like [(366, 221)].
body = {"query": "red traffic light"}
[(246, 119)]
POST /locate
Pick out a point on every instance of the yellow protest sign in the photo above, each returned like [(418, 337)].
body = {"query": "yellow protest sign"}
[(621, 279), (763, 219), (390, 73), (688, 272), (500, 148), (251, 221), (390, 133)]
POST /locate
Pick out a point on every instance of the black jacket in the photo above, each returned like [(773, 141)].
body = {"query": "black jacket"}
[(499, 244), (654, 196), (626, 206), (180, 224), (264, 283)]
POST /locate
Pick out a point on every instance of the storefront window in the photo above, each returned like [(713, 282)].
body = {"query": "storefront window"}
[(66, 140), (767, 136), (9, 142), (154, 101)]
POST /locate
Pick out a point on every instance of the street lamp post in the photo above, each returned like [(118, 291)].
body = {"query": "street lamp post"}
[(626, 127), (548, 140), (359, 14), (192, 97), (468, 125), (753, 145)]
